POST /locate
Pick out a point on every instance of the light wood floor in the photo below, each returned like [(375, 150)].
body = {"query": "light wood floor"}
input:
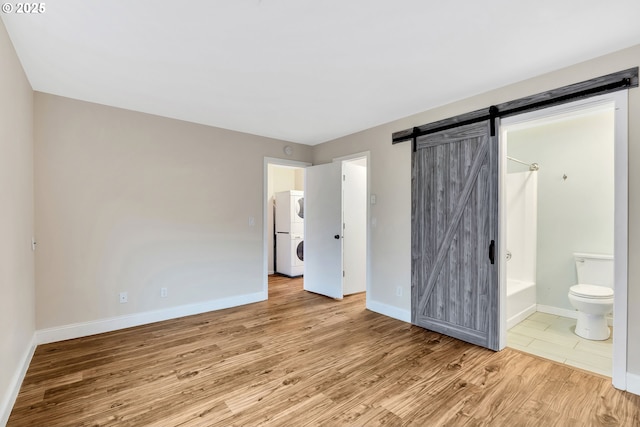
[(303, 359), (553, 337)]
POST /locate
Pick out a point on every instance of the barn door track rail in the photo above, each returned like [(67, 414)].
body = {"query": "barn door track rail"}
[(598, 86)]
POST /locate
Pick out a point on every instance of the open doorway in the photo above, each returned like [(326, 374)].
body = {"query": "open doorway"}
[(284, 177), (278, 175), (563, 170), (285, 220)]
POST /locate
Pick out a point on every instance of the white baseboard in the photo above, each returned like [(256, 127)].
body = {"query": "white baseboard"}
[(519, 317), (572, 314), (389, 310), (83, 329), (633, 383), (9, 398)]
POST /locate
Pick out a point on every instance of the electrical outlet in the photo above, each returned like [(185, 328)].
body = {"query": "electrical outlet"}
[(399, 291), (123, 297), (164, 292)]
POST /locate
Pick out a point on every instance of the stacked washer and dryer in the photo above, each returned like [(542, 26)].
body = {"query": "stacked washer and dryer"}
[(290, 233)]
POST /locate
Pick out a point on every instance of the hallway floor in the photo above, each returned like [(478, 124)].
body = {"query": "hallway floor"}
[(552, 337)]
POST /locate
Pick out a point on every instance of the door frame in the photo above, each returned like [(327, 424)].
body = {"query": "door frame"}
[(265, 202), (621, 234)]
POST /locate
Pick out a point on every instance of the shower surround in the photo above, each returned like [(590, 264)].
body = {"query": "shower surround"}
[(522, 208)]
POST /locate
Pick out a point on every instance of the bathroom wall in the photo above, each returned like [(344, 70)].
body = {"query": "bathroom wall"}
[(574, 214)]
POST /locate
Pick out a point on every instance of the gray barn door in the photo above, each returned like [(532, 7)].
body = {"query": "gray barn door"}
[(454, 223)]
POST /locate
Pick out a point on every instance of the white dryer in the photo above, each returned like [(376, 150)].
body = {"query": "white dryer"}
[(290, 212), (290, 233)]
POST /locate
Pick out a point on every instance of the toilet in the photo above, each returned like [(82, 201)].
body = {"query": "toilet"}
[(593, 295)]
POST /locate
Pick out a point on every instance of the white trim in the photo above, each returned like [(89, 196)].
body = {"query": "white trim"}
[(265, 202), (83, 329), (514, 320), (354, 156), (633, 383), (621, 240), (619, 100), (389, 310), (11, 394), (565, 312), (502, 238)]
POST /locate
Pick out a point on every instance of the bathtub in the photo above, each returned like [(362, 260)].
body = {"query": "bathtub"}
[(521, 301)]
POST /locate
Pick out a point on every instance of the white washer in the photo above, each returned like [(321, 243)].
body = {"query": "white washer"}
[(290, 254), (297, 255)]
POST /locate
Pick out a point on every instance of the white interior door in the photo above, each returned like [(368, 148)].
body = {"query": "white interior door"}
[(323, 229)]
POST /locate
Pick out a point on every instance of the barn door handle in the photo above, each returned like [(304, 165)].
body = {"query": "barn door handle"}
[(492, 251), (337, 237)]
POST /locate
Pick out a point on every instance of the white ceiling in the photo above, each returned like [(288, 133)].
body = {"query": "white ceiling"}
[(305, 71)]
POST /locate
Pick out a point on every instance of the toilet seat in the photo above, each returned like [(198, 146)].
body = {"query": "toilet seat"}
[(591, 291)]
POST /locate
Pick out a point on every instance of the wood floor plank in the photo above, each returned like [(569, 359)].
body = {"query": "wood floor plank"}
[(518, 380), (302, 359)]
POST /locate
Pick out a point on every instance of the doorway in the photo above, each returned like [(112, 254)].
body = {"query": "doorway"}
[(278, 175), (352, 196), (568, 164), (285, 219)]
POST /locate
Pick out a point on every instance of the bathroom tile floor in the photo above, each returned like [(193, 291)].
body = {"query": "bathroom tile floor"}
[(552, 337)]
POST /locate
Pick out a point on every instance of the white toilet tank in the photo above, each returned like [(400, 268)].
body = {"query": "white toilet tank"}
[(594, 269)]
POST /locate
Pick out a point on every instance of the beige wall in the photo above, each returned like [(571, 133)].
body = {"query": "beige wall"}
[(390, 181), (132, 202), (16, 221)]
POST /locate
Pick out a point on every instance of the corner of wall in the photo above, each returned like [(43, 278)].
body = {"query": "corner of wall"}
[(11, 394), (17, 307), (633, 383)]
